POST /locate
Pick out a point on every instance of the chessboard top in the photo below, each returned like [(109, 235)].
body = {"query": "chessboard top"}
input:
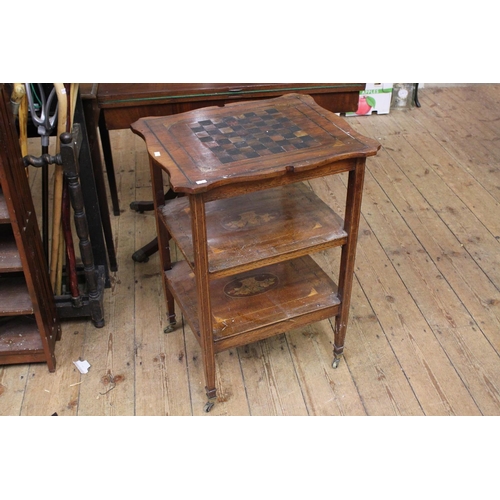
[(249, 141)]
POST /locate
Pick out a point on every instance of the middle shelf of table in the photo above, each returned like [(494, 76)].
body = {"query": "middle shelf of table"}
[(257, 229)]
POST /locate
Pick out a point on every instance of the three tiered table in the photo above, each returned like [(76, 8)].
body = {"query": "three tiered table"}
[(247, 222)]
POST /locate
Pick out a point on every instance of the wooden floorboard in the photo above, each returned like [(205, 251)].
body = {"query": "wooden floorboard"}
[(424, 330)]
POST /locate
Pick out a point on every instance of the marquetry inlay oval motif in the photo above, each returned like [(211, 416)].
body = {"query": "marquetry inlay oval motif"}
[(252, 285), (247, 220)]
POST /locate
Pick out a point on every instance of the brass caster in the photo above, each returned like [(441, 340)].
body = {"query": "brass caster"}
[(169, 328), (208, 406), (336, 362)]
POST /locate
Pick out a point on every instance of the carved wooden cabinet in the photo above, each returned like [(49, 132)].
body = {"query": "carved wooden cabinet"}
[(29, 326), (248, 224)]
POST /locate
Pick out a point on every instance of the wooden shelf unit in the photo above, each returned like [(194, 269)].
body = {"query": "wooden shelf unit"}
[(248, 224), (29, 326)]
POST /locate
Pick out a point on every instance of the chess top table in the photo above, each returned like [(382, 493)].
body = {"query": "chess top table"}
[(248, 223)]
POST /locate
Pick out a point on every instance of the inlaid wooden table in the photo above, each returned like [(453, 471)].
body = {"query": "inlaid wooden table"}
[(248, 224)]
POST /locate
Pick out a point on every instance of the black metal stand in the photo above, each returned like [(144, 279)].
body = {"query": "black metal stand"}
[(417, 102), (93, 277)]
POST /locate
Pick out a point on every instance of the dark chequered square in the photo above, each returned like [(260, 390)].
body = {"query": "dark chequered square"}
[(251, 135)]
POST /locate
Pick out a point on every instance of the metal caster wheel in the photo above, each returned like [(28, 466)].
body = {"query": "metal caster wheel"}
[(169, 328), (208, 406), (336, 362)]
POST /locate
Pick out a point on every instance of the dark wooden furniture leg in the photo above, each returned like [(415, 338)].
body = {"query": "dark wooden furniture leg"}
[(108, 159), (417, 102), (147, 206), (91, 111), (351, 225), (199, 231), (164, 251), (143, 254), (142, 206)]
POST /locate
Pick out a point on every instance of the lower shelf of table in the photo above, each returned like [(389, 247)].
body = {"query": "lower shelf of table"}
[(256, 304), (20, 341)]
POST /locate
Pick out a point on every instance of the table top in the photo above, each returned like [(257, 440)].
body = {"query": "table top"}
[(120, 95), (249, 141)]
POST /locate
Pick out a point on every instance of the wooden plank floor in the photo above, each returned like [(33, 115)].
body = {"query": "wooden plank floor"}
[(424, 331)]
